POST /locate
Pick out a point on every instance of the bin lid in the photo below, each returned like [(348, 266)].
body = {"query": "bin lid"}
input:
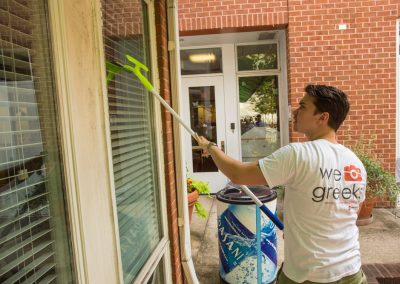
[(232, 194)]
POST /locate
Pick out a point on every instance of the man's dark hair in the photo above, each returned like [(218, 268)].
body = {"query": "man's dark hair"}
[(331, 100)]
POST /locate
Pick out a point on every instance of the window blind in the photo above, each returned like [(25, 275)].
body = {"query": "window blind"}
[(32, 243), (132, 138)]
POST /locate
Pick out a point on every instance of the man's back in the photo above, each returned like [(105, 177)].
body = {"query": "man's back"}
[(325, 183)]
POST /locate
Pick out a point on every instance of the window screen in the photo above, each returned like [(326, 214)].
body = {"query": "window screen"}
[(33, 235), (132, 133)]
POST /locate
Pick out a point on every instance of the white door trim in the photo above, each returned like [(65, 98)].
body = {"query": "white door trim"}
[(216, 179)]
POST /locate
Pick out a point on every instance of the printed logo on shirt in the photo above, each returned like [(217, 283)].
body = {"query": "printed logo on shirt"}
[(353, 190), (352, 173)]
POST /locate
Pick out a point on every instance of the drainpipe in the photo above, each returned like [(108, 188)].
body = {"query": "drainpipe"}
[(180, 169)]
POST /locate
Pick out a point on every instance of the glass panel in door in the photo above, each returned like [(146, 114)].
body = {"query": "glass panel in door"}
[(203, 101), (203, 122), (259, 116)]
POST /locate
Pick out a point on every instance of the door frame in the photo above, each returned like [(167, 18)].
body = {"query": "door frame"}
[(216, 179), (228, 43)]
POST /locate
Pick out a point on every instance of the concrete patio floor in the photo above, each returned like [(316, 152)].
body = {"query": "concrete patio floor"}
[(380, 242)]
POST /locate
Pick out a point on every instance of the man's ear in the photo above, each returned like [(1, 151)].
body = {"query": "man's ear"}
[(324, 117)]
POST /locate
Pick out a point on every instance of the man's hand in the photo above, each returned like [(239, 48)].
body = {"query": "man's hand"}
[(203, 142), (236, 171)]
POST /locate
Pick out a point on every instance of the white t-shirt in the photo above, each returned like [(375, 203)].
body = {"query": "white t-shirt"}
[(324, 186)]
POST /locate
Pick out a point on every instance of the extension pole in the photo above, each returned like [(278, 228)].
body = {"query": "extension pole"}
[(114, 68)]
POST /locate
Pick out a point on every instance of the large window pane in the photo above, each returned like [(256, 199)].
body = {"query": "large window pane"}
[(259, 116), (33, 234), (132, 136), (257, 57)]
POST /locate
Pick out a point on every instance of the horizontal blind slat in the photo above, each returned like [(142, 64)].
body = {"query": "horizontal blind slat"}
[(20, 131), (25, 270), (119, 159), (124, 135), (6, 252), (143, 194), (17, 89), (125, 192), (126, 96), (24, 257), (23, 202), (48, 279), (128, 175), (20, 217), (17, 62), (20, 146), (13, 173), (129, 149), (139, 212), (120, 143), (39, 273), (19, 161), (6, 29), (121, 168), (123, 128), (22, 186), (23, 229)]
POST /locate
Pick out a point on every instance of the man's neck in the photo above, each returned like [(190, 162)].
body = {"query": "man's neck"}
[(329, 135)]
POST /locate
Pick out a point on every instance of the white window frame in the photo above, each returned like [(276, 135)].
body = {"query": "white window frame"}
[(92, 262), (162, 251)]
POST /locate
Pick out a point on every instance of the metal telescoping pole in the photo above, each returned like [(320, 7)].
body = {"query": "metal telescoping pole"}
[(114, 68)]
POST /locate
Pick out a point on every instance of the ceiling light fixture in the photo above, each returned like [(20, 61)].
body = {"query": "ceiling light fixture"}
[(202, 57)]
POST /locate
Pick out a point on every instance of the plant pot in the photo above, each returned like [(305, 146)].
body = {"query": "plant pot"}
[(192, 198), (365, 214)]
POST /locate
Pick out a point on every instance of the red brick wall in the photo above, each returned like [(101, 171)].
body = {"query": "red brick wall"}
[(123, 18), (170, 185), (360, 60), (213, 16)]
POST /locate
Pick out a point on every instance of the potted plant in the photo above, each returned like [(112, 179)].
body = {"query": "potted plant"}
[(194, 189), (380, 182)]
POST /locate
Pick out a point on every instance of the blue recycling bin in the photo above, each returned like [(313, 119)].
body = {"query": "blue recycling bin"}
[(237, 235)]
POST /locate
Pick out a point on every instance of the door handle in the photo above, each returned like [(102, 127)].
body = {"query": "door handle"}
[(223, 146)]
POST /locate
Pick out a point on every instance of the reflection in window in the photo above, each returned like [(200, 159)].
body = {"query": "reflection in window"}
[(259, 116), (257, 57), (201, 61), (203, 122)]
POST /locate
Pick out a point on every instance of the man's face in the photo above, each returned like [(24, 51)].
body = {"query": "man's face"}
[(305, 117)]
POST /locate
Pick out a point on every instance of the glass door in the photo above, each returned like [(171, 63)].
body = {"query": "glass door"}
[(259, 116), (203, 100)]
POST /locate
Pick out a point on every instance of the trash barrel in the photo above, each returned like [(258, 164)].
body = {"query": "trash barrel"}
[(237, 235)]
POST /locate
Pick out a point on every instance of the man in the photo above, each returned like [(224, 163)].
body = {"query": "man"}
[(259, 122), (324, 187)]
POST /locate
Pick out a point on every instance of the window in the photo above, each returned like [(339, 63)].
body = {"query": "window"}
[(33, 234), (201, 61), (257, 57), (132, 137)]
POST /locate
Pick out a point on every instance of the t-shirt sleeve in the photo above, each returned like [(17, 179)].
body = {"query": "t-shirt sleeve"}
[(279, 167)]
